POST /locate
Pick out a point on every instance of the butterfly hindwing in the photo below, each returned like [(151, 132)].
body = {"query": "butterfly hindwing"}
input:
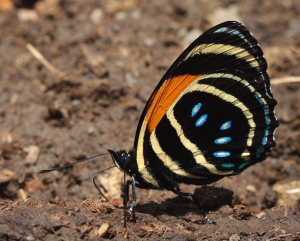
[(211, 115)]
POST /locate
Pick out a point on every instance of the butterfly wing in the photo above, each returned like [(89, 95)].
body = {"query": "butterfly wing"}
[(211, 115)]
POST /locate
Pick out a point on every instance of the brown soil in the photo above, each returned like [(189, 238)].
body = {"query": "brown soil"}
[(109, 56)]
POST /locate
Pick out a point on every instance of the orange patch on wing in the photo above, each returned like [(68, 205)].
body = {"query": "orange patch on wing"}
[(165, 96)]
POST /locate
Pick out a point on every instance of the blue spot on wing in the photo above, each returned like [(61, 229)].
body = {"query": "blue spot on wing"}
[(196, 109), (221, 154), (223, 140), (243, 165), (259, 151), (201, 120), (266, 110), (227, 165), (233, 32), (267, 119), (230, 31), (265, 139), (226, 125)]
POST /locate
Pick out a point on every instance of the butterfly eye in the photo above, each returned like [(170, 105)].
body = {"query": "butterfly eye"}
[(201, 120), (226, 125), (196, 109)]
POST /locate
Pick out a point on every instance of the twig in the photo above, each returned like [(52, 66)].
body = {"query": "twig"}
[(37, 54), (286, 80), (279, 237)]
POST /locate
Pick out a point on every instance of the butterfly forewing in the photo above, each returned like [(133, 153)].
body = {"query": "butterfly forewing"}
[(211, 115)]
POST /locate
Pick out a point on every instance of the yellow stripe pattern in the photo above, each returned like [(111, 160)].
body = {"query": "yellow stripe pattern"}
[(199, 157), (240, 53), (167, 160), (142, 165)]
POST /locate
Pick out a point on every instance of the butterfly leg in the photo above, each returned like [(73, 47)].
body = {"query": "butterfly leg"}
[(208, 220), (187, 194), (203, 212), (179, 193), (131, 210), (133, 204), (126, 192)]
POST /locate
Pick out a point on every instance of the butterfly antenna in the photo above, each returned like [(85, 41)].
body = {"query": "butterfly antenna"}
[(95, 184), (125, 196), (71, 164)]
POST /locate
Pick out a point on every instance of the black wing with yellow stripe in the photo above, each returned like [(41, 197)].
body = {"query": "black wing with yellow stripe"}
[(211, 115)]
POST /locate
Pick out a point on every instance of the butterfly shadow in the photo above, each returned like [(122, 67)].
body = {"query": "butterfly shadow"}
[(205, 199)]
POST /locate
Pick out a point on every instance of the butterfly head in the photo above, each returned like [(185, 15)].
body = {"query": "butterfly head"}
[(123, 160)]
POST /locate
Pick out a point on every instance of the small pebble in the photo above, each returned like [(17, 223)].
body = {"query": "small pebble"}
[(136, 14), (234, 237), (6, 5), (224, 14), (96, 16), (27, 15), (121, 16), (191, 35), (91, 130), (6, 175), (130, 79), (288, 193), (33, 153), (149, 42), (30, 238), (22, 194), (81, 219), (251, 188), (103, 230)]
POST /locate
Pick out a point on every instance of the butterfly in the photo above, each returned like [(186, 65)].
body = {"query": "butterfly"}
[(211, 115)]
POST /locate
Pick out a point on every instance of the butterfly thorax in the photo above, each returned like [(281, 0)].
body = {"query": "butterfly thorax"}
[(123, 160), (126, 161)]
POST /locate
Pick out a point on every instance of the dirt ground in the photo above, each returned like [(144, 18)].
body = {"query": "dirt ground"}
[(105, 59)]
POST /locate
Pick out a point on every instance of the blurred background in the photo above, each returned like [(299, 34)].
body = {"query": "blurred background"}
[(75, 75)]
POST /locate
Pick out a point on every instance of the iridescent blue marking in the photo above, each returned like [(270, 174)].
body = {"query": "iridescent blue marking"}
[(242, 36), (221, 154), (226, 125), (265, 139), (228, 165), (260, 100), (243, 165), (201, 120), (223, 140), (259, 151), (234, 32), (268, 122), (196, 109), (266, 110)]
